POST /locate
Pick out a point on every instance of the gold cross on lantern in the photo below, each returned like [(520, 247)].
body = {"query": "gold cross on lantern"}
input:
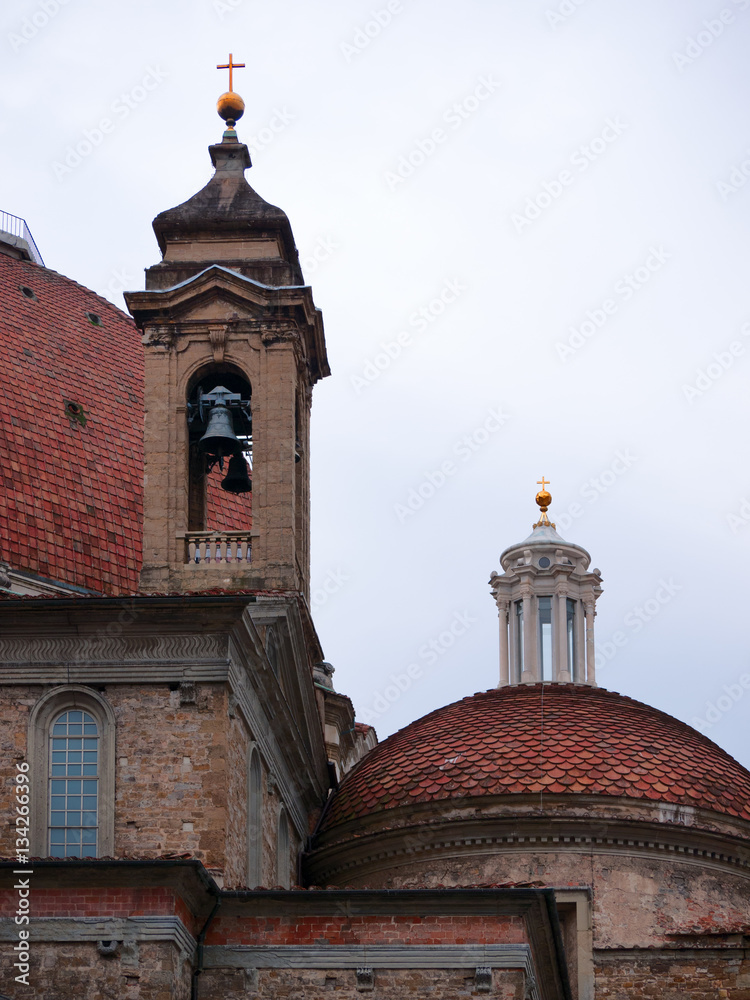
[(544, 482), (230, 66)]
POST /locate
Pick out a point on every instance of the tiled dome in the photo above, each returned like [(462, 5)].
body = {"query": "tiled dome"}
[(71, 479), (557, 739)]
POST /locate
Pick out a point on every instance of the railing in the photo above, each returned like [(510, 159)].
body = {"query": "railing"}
[(218, 547), (17, 227)]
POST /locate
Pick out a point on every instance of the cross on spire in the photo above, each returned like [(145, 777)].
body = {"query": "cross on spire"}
[(230, 66), (543, 482)]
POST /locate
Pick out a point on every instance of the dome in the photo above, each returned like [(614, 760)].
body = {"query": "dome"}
[(556, 739), (71, 447)]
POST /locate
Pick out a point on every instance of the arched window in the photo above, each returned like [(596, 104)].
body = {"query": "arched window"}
[(282, 850), (219, 450), (74, 785), (71, 752), (254, 814)]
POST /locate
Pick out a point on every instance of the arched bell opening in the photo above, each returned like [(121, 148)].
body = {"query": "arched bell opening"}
[(219, 451)]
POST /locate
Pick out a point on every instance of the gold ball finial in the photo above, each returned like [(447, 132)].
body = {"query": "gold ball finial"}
[(230, 107), (543, 499)]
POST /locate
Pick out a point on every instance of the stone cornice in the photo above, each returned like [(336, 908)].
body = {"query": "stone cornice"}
[(144, 929), (375, 851), (171, 305)]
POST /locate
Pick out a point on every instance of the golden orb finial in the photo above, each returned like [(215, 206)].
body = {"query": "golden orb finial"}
[(543, 500), (230, 105)]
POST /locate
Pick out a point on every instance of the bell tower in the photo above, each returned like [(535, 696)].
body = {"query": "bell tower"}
[(546, 600), (233, 347)]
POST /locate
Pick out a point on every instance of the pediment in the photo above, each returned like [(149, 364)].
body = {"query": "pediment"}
[(217, 293)]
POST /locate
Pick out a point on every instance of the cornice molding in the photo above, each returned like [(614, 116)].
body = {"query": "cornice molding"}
[(141, 929), (385, 850)]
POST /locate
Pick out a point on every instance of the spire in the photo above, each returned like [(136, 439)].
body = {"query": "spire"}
[(227, 222), (546, 600)]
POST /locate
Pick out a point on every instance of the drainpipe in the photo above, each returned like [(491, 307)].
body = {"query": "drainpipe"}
[(199, 950)]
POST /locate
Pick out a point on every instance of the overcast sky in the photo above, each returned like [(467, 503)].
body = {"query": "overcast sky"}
[(527, 223)]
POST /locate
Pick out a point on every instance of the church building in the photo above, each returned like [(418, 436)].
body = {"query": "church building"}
[(191, 810)]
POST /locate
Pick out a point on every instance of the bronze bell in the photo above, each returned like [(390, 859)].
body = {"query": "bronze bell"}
[(219, 440), (237, 479)]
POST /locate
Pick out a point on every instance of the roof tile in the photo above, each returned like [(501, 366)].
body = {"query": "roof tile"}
[(574, 739)]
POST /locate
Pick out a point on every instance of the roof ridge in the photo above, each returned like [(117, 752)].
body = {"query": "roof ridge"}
[(50, 270)]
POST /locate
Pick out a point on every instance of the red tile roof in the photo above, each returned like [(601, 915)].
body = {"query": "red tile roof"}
[(71, 494), (559, 739)]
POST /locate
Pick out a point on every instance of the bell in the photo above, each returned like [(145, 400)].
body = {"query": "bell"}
[(219, 439), (237, 479)]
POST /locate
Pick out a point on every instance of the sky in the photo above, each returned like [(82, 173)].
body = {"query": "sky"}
[(527, 223)]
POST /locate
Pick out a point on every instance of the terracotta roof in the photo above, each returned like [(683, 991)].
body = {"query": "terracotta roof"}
[(560, 739), (71, 493)]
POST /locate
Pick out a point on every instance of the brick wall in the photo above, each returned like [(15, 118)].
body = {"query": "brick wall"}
[(403, 929)]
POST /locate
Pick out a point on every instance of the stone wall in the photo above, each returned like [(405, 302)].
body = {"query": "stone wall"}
[(688, 976), (322, 984), (171, 778), (62, 971), (236, 824)]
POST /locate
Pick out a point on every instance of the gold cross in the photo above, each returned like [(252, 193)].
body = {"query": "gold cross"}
[(230, 66), (544, 482)]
